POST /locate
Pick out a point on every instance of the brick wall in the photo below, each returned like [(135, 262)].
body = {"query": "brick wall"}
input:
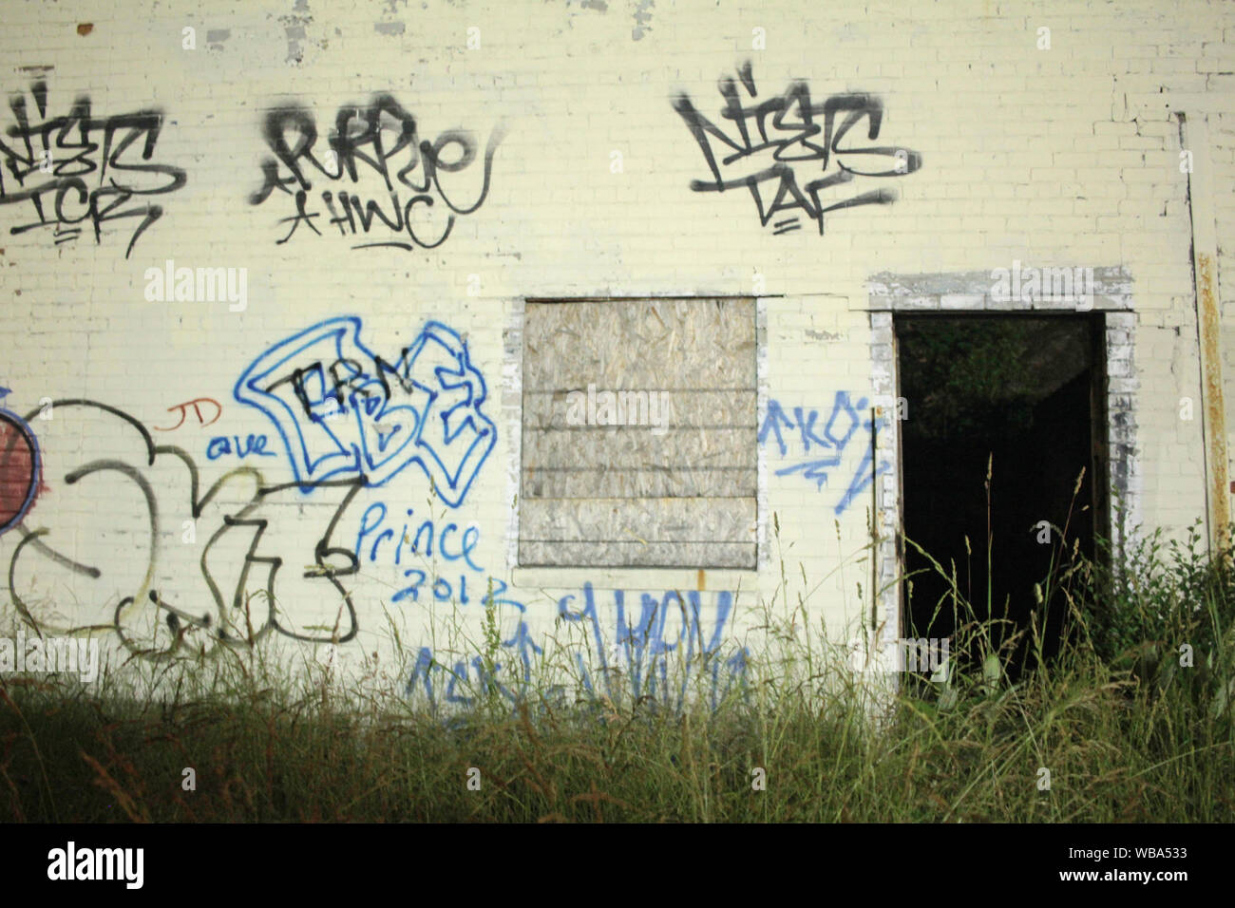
[(538, 151)]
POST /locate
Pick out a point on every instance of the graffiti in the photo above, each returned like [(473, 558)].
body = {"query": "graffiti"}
[(197, 411), (341, 409), (789, 127), (824, 442), (417, 539), (379, 146), (117, 575), (631, 652), (665, 626), (428, 673), (253, 445), (20, 469), (51, 160)]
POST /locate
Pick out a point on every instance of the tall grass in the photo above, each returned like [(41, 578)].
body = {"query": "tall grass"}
[(1126, 724)]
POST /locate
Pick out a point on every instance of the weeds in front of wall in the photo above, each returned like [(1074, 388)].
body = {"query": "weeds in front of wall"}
[(1132, 719)]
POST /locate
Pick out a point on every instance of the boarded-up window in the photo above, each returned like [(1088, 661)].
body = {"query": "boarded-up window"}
[(639, 434)]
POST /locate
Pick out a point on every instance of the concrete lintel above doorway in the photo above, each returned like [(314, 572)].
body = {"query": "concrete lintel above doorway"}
[(1111, 289)]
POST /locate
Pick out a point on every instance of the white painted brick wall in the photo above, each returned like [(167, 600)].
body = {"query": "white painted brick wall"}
[(1061, 156)]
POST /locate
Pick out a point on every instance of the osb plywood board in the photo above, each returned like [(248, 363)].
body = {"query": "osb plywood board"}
[(647, 344), (685, 409), (648, 519), (649, 482), (627, 448), (639, 442), (711, 555)]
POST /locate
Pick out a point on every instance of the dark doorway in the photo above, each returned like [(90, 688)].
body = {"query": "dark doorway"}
[(1020, 396)]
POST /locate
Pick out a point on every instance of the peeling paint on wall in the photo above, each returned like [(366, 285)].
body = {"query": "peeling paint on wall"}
[(643, 19)]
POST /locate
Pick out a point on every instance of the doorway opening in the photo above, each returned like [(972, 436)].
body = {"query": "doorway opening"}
[(1003, 471)]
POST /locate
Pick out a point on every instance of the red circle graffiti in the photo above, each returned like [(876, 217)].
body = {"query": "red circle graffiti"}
[(18, 468)]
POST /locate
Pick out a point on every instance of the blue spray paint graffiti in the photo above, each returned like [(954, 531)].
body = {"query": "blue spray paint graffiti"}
[(341, 409), (645, 646), (638, 654), (417, 538), (458, 675), (375, 541), (254, 445), (832, 436)]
